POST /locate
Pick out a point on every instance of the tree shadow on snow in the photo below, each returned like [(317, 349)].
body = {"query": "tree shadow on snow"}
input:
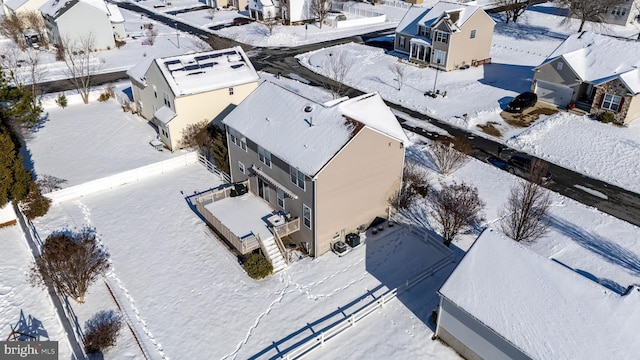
[(600, 246), (29, 328), (608, 283), (550, 10)]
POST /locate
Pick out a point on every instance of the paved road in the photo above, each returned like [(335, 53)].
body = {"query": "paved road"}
[(611, 199)]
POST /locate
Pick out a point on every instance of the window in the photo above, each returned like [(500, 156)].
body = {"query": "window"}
[(280, 196), (230, 91), (424, 31), (167, 100), (237, 139), (473, 34), (297, 177), (439, 56), (560, 65), (306, 216), (611, 102), (264, 156), (241, 167), (442, 37), (401, 41)]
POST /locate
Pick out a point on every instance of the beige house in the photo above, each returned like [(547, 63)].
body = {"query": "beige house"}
[(329, 166), (447, 36), (595, 73), (178, 91)]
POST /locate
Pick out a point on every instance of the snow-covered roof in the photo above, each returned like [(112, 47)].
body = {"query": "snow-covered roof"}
[(419, 16), (115, 16), (200, 72), (545, 309), (14, 4), (55, 8), (164, 115), (304, 133), (599, 58)]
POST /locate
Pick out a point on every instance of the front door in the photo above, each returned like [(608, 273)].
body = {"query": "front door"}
[(263, 189)]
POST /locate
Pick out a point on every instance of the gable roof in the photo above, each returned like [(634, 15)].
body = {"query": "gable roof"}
[(599, 58), (195, 73), (56, 8), (304, 133), (542, 307), (419, 16), (14, 4)]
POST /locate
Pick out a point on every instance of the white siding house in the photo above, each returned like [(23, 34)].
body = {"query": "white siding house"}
[(73, 20), (504, 301), (177, 91)]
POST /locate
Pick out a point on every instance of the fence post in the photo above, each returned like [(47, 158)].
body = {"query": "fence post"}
[(322, 339)]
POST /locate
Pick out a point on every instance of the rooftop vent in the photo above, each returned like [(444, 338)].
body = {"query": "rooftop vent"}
[(308, 109)]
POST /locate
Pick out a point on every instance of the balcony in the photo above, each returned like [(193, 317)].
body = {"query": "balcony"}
[(246, 221)]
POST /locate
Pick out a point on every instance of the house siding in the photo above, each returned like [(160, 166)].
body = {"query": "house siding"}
[(463, 49), (354, 187), (189, 109), (471, 338), (549, 72), (279, 171), (633, 111), (204, 106), (615, 87), (83, 19)]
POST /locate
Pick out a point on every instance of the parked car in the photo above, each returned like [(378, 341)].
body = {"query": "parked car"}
[(520, 165), (242, 21), (522, 102)]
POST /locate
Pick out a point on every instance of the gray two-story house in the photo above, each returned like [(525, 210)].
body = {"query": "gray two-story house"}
[(332, 165)]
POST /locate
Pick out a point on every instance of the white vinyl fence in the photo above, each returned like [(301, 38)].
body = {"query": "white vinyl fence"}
[(109, 182), (304, 348)]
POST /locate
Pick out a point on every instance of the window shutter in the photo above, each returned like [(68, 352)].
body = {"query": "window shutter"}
[(621, 103), (601, 101)]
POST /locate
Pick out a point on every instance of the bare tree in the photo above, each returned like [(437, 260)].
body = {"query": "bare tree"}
[(199, 45), (35, 70), (101, 331), (398, 71), (319, 9), (588, 10), (415, 182), (456, 207), (450, 156), (195, 136), (211, 13), (71, 262), (151, 34), (524, 217), (49, 183), (270, 24), (513, 8), (338, 66), (12, 28), (81, 63)]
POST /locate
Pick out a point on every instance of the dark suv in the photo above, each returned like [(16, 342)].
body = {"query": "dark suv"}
[(520, 165)]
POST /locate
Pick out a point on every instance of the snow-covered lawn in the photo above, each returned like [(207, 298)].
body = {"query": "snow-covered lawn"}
[(87, 142), (25, 308)]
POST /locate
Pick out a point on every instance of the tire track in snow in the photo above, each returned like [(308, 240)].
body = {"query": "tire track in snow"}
[(281, 295), (86, 212)]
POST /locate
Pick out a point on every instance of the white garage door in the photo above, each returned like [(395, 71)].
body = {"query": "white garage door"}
[(553, 93)]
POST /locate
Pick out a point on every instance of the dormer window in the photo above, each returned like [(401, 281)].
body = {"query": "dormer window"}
[(424, 31)]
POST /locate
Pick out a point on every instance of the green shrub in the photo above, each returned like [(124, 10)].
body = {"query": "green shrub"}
[(606, 117), (104, 97), (35, 204), (257, 266), (61, 100)]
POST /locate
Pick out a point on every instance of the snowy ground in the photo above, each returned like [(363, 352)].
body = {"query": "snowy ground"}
[(174, 278)]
